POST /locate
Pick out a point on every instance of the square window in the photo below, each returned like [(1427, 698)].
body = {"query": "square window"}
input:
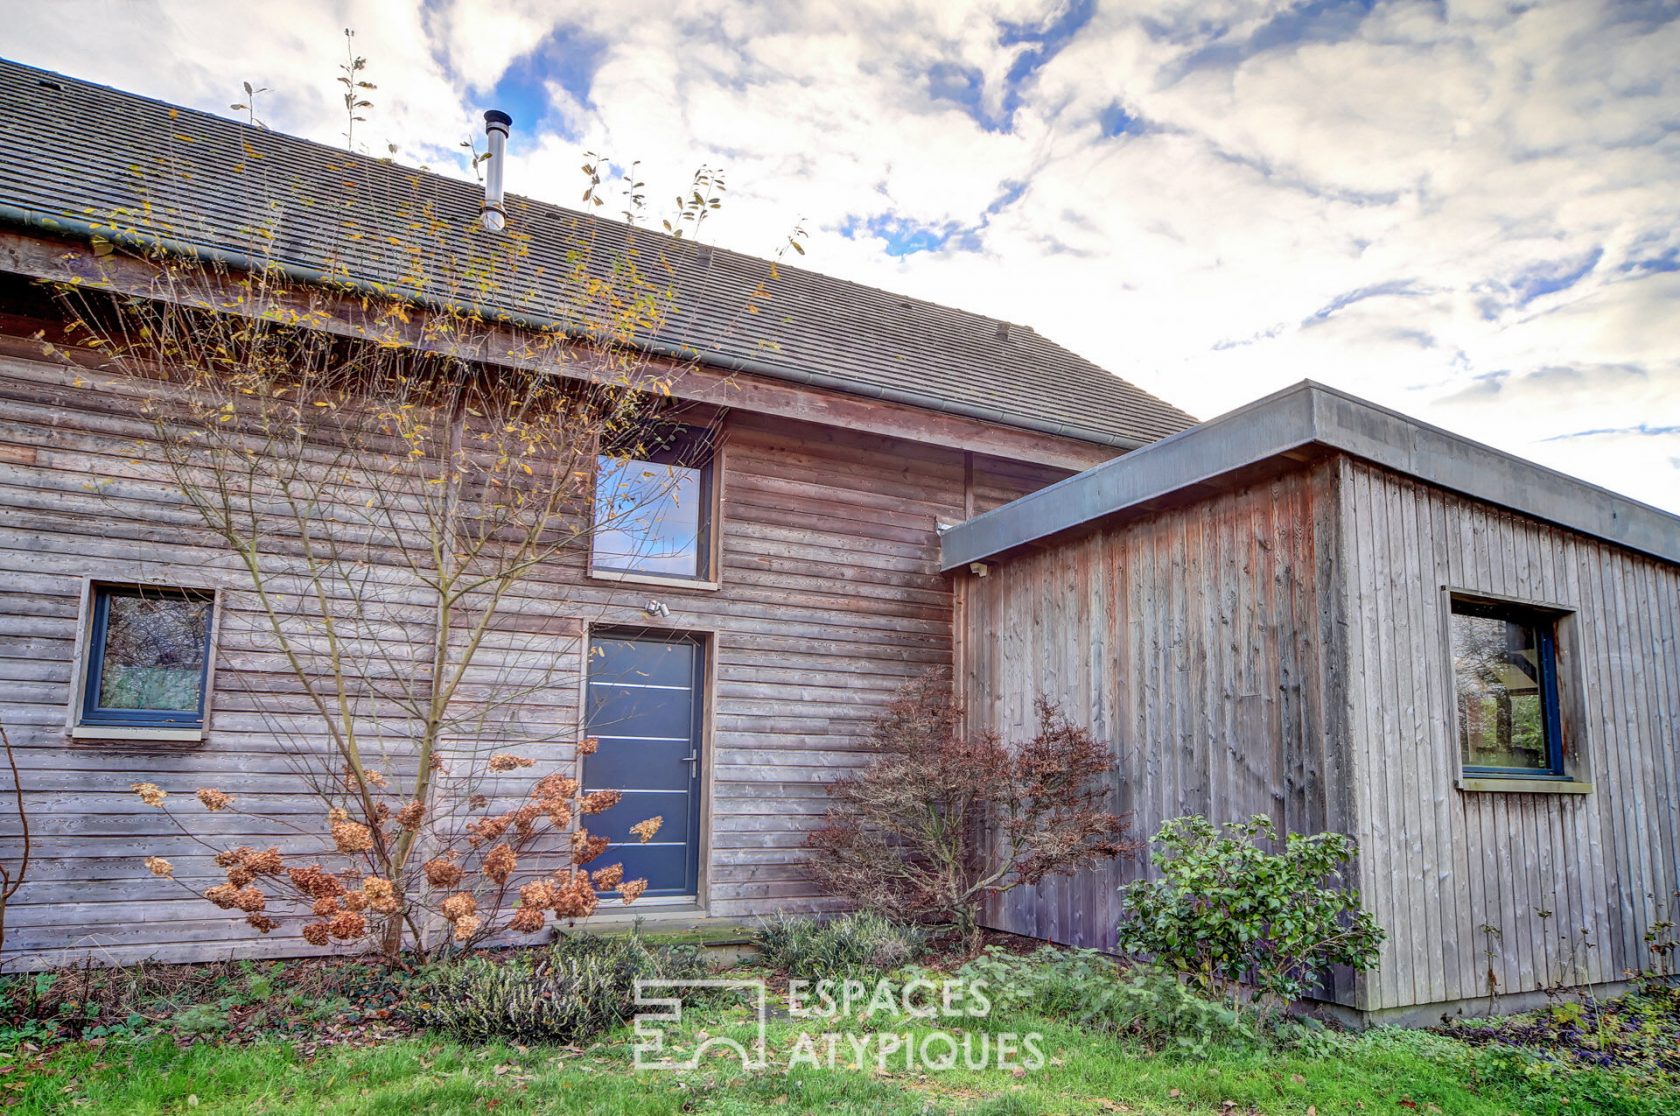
[(1505, 682), (148, 657), (653, 510)]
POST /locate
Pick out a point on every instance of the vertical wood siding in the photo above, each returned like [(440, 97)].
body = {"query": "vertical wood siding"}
[(1282, 649), (831, 598), (1438, 863), (1194, 641)]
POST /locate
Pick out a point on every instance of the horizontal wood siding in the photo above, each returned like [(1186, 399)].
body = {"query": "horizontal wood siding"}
[(1192, 641), (1439, 864), (830, 599)]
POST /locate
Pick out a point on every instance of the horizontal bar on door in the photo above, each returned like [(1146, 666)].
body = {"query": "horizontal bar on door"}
[(640, 685), (637, 790)]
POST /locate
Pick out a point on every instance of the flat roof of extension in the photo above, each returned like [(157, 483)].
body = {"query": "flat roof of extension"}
[(1300, 419)]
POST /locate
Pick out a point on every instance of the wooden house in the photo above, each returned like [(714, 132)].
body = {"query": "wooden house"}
[(852, 424), (1267, 612)]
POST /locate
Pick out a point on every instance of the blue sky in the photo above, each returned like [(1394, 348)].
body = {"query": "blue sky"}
[(1466, 210)]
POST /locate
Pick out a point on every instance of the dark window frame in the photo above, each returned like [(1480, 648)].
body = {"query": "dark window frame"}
[(1544, 622), (691, 447), (89, 711)]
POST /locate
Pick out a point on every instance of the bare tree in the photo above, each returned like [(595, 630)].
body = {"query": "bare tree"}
[(12, 874), (399, 479)]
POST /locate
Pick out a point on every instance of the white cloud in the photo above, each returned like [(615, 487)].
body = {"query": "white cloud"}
[(1384, 200)]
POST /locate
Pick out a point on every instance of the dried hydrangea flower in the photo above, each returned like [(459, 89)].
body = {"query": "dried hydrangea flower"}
[(574, 897), (262, 923), (441, 872), (459, 906), (485, 830), (586, 847), (536, 896), (466, 927), (644, 830), (507, 761), (317, 933), (555, 785), (222, 895), (227, 858), (347, 926), (381, 895), (631, 890), (316, 882), (599, 801), (229, 897), (150, 793), (500, 863), (158, 866), (352, 837), (588, 746), (213, 799), (410, 816), (525, 819), (527, 920), (609, 878)]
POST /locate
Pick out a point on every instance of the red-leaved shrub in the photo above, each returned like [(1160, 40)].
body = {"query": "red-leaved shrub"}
[(943, 818)]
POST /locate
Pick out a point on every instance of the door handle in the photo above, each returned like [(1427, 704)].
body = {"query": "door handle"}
[(693, 761)]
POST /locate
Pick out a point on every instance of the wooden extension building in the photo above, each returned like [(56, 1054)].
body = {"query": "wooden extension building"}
[(1321, 610), (1311, 607)]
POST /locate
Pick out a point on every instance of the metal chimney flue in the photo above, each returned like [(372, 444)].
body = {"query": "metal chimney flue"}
[(493, 213)]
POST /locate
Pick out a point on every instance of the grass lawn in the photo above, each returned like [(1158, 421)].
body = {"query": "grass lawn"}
[(1387, 1071)]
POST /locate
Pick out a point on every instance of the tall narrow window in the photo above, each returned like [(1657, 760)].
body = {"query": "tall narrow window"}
[(148, 657), (1505, 675), (653, 510)]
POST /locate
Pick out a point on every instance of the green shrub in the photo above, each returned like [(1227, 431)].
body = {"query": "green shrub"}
[(1226, 912), (570, 991), (1087, 988), (833, 949)]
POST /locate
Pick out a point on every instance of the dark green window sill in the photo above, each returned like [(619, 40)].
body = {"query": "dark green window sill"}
[(1523, 786)]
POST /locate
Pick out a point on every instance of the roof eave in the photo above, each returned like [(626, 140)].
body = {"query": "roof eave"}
[(67, 225), (1285, 423)]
